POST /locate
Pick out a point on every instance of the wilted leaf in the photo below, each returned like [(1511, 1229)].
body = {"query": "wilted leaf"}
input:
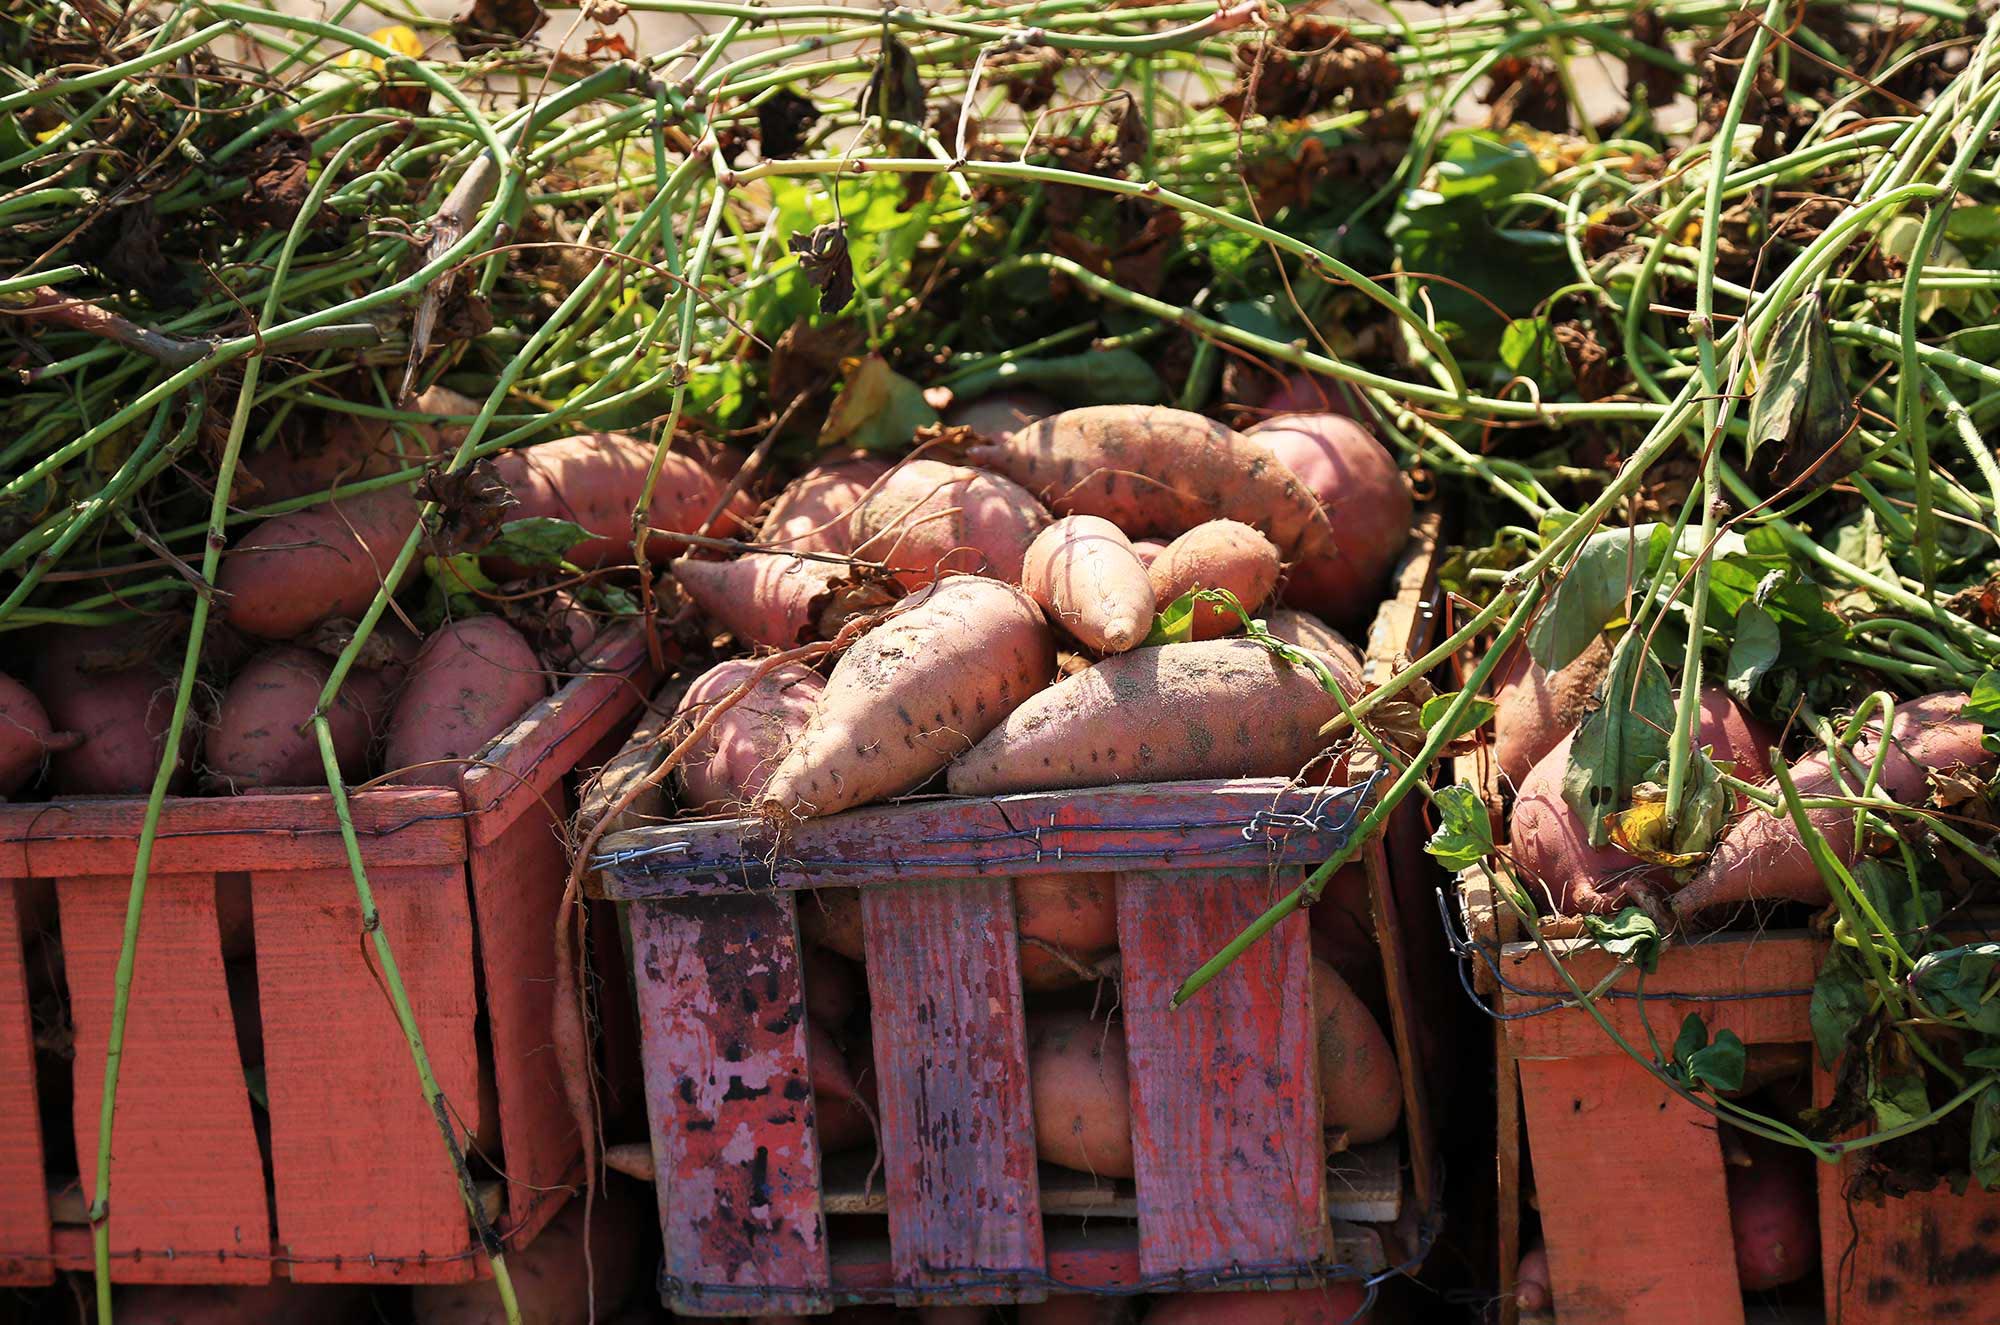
[(1752, 651), (1464, 833), (472, 504), (1802, 405), (1898, 1099), (1593, 591), (1954, 982), (782, 121), (824, 259), (807, 358), (1631, 934), (539, 540), (1985, 1149), (896, 88), (1618, 744), (878, 408)]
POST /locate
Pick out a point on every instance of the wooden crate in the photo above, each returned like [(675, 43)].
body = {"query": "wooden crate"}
[(343, 1178), (1631, 1177)]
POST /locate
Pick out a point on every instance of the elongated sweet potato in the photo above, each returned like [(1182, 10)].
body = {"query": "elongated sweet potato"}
[(774, 602), (27, 738), (1762, 856), (1328, 1304), (1220, 708), (471, 680), (1309, 632), (1082, 1094), (1551, 845), (1148, 551), (1085, 575), (1534, 710), (1309, 393), (1360, 1091), (595, 479), (731, 764), (998, 415), (833, 986), (837, 1099), (1058, 916), (811, 515), (261, 737), (1367, 512), (915, 692), (292, 572), (1222, 554), (831, 918), (1153, 470), (927, 518), (1531, 1280)]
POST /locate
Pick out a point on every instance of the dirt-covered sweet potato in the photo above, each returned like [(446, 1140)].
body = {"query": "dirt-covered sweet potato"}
[(1773, 1217), (1309, 632), (469, 683), (1218, 708), (1221, 554), (1081, 1092), (732, 763), (27, 738), (812, 513), (1533, 709), (838, 1101), (109, 688), (1064, 921), (764, 600), (1087, 578), (344, 448), (913, 693), (831, 918), (1360, 1090), (926, 518), (998, 415), (291, 572), (262, 735), (1367, 508)]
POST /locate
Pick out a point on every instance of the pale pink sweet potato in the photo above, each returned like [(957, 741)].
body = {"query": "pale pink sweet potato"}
[(1087, 578), (595, 479), (1773, 1217), (998, 415), (1333, 1303), (1367, 508), (731, 764), (292, 572), (811, 515), (1074, 914), (1762, 857), (552, 1279), (27, 738), (1533, 710), (1219, 708), (1309, 393), (838, 1105), (1360, 1090), (1531, 1280), (914, 693), (470, 682), (926, 518), (764, 600), (1148, 550), (1153, 470), (262, 735), (831, 918), (1309, 632), (1551, 846), (1221, 554), (111, 691), (1082, 1094)]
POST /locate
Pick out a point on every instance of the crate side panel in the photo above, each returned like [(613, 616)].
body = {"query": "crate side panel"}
[(1623, 1249), (25, 1247), (944, 986), (729, 1100), (1225, 1091), (360, 1167), (517, 885), (186, 1172)]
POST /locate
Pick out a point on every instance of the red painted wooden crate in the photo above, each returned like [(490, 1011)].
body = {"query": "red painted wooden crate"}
[(349, 1182), (1230, 1184)]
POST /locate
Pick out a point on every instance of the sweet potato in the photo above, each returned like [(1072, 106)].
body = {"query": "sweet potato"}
[(926, 518), (27, 738), (551, 1277), (1148, 550), (1551, 845), (1309, 632), (1360, 1090), (731, 764), (1082, 1095), (1075, 914), (765, 601), (261, 736), (1534, 710), (1000, 414), (1773, 1217), (1309, 393), (1085, 575), (1762, 857), (1531, 1281), (106, 687), (243, 1304), (1343, 926), (595, 479), (833, 988), (831, 918), (915, 692), (1153, 470), (349, 447), (292, 572), (811, 515), (1220, 708), (1367, 512), (837, 1100), (470, 682), (1328, 1304), (1221, 554)]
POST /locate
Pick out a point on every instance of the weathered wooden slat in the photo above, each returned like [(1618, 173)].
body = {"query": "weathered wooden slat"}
[(1160, 825), (1407, 1005), (1225, 1091), (183, 1124), (396, 825), (1624, 1252), (517, 884), (359, 1166), (24, 1213), (729, 1099), (951, 1062)]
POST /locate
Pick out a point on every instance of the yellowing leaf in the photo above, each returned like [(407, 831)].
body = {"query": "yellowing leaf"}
[(1642, 830)]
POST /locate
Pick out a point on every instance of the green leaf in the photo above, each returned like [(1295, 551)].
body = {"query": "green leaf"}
[(1802, 404), (1986, 1058), (1978, 224), (537, 540), (1840, 999), (1985, 1148), (1720, 1065), (877, 409), (1593, 591), (1899, 1099), (1464, 833), (1175, 623), (1472, 163), (456, 583), (1476, 715), (1528, 349), (1630, 935), (1692, 1039), (1984, 705), (1752, 651), (1955, 981), (1616, 747)]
